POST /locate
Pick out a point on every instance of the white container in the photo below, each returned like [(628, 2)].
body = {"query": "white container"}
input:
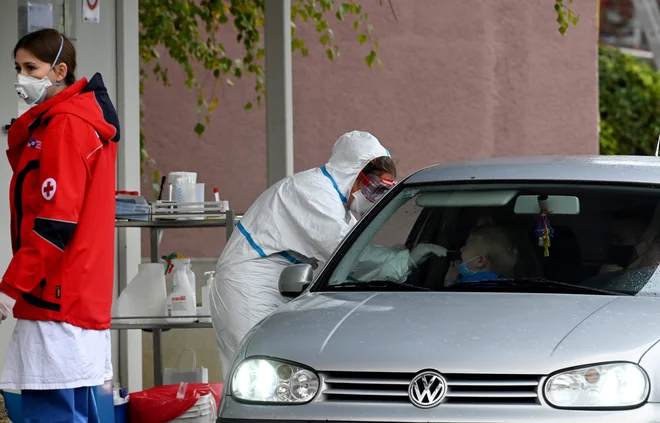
[(192, 280), (186, 193), (182, 177), (203, 411), (145, 295), (181, 302), (206, 294), (199, 198)]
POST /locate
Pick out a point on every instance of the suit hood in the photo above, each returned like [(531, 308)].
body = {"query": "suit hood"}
[(350, 154)]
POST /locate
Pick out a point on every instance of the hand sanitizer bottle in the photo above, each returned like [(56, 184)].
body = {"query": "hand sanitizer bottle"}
[(181, 302), (206, 293)]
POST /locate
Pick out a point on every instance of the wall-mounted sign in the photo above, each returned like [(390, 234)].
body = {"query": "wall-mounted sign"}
[(34, 15), (39, 16), (91, 11)]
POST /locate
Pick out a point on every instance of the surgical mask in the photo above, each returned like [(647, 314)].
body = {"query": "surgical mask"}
[(360, 205), (463, 270), (33, 90)]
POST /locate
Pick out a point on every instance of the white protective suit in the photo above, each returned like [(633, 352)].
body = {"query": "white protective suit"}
[(306, 216)]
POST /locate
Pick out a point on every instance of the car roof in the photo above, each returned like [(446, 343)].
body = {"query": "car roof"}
[(618, 169)]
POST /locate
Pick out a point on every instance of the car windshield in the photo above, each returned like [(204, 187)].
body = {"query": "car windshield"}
[(557, 238)]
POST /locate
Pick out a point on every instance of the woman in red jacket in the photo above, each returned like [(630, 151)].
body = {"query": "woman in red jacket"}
[(59, 282)]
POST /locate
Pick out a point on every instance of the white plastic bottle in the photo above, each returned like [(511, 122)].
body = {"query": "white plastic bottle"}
[(192, 279), (181, 302), (206, 293), (187, 266), (145, 296)]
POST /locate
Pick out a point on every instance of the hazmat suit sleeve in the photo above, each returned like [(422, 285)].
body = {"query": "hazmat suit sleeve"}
[(379, 263)]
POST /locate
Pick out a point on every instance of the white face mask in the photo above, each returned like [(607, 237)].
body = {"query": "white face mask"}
[(33, 90), (360, 205)]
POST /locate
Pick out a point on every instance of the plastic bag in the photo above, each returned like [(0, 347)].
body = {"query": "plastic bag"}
[(160, 404), (191, 375)]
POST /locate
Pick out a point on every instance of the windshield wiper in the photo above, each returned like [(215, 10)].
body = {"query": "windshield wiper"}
[(538, 282), (374, 286)]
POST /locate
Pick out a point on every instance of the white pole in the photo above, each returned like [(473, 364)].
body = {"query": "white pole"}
[(128, 177), (279, 102)]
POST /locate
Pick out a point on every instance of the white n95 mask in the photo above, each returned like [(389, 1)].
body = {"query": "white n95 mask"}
[(33, 90), (360, 204)]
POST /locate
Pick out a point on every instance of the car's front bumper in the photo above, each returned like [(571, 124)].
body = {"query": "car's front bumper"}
[(232, 411)]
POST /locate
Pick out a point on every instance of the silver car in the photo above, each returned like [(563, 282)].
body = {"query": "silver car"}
[(565, 328)]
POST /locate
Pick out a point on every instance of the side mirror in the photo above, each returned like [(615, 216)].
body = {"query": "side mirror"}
[(294, 279)]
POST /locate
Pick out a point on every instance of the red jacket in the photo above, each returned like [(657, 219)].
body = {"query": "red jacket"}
[(63, 154)]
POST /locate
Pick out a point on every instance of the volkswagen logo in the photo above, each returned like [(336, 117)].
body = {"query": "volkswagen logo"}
[(427, 389)]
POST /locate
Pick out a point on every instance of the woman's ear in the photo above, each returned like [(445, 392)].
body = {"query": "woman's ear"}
[(60, 70)]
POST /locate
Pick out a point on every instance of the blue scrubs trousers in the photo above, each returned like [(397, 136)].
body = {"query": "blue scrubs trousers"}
[(76, 405)]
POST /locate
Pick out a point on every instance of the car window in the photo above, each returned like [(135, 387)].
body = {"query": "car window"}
[(603, 239)]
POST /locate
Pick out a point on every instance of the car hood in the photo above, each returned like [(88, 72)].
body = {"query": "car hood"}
[(457, 332)]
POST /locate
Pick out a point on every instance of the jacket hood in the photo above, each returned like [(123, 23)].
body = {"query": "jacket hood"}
[(350, 154), (85, 99)]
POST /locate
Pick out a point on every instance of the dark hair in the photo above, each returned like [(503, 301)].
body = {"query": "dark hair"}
[(44, 45), (500, 248), (380, 165)]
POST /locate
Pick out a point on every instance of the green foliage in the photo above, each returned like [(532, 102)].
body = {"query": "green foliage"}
[(629, 104), (189, 31), (565, 15)]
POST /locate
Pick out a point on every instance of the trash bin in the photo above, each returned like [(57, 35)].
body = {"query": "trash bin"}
[(161, 405)]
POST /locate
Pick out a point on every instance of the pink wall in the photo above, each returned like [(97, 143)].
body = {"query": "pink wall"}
[(462, 79)]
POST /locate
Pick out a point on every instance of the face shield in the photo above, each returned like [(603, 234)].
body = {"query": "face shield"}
[(373, 187)]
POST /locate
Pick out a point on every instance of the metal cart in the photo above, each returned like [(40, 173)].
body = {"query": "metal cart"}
[(158, 324)]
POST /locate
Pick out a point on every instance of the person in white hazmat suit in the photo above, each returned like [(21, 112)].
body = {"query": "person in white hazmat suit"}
[(303, 218)]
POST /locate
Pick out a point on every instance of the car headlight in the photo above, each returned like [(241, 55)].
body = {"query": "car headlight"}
[(607, 385), (265, 380)]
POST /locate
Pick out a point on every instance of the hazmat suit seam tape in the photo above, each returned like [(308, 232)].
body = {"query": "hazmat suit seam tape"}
[(290, 258), (334, 184), (250, 241), (259, 250)]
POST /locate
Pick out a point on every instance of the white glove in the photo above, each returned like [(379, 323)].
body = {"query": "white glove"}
[(421, 252), (6, 305)]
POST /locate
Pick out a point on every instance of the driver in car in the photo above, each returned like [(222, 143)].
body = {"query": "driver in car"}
[(634, 242), (488, 254)]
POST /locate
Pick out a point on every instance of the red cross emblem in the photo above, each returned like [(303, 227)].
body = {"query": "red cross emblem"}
[(48, 188)]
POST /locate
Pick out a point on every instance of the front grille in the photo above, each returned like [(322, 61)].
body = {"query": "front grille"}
[(461, 388)]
